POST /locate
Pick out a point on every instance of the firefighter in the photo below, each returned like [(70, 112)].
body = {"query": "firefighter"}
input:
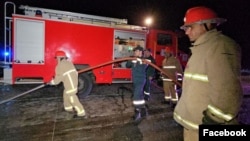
[(150, 73), (172, 67), (65, 72), (139, 79), (211, 90)]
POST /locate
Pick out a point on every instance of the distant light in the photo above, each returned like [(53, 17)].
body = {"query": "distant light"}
[(130, 48), (148, 21)]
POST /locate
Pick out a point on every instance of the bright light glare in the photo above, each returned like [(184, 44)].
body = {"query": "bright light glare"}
[(148, 21), (6, 54)]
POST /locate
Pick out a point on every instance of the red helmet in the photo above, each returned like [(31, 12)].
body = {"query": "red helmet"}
[(201, 15), (60, 54), (168, 50)]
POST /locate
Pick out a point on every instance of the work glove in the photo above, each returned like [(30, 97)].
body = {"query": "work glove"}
[(207, 120), (50, 82)]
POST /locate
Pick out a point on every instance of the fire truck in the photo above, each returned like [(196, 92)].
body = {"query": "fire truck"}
[(32, 38)]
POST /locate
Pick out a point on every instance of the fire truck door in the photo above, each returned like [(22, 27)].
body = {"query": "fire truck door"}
[(28, 41)]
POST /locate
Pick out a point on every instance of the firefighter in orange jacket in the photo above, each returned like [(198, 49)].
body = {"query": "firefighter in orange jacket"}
[(172, 67), (65, 72), (211, 90)]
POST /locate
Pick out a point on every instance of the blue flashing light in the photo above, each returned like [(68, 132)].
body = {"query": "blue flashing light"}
[(6, 53)]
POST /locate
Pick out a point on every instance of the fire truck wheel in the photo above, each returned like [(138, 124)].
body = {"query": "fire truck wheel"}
[(85, 85)]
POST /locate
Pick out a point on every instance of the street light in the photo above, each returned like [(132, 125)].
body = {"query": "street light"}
[(148, 22)]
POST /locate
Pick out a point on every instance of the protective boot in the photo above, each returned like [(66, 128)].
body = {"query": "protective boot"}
[(137, 115), (146, 97), (144, 112), (173, 103)]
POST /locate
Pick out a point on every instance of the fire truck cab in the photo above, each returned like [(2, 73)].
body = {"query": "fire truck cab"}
[(32, 38)]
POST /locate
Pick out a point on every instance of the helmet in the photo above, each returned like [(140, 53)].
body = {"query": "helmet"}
[(60, 54), (201, 15), (38, 13), (168, 50)]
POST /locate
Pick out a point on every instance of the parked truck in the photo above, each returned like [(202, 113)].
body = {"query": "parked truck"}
[(32, 38)]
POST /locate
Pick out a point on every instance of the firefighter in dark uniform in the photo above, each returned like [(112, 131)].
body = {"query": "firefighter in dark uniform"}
[(139, 79), (150, 73), (65, 72)]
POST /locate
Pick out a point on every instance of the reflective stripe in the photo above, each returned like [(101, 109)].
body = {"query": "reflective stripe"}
[(186, 122), (146, 93), (200, 77), (178, 74), (134, 61), (174, 99), (169, 67), (82, 112), (220, 114), (139, 102), (167, 97), (71, 99), (71, 91), (69, 71), (166, 79), (68, 108), (179, 79), (79, 112), (176, 93), (71, 81)]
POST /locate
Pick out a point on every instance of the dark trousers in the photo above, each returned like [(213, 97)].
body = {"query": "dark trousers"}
[(138, 94), (147, 85)]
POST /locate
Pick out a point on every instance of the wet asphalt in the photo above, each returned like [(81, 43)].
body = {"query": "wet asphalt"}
[(39, 115)]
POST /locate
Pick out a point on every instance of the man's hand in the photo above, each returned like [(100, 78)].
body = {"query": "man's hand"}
[(207, 120), (51, 82)]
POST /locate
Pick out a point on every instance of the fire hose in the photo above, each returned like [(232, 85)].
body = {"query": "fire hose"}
[(131, 58), (94, 67), (24, 93)]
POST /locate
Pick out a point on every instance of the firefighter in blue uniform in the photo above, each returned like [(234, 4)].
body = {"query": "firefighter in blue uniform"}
[(150, 73), (139, 79)]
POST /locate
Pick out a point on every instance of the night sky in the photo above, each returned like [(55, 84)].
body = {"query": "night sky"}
[(167, 14)]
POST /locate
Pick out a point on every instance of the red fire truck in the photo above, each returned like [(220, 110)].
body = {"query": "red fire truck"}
[(32, 38)]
